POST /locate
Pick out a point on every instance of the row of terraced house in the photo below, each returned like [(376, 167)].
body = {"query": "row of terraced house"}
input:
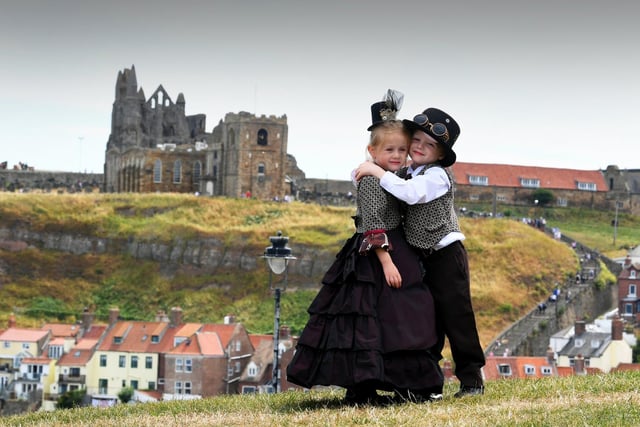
[(164, 359)]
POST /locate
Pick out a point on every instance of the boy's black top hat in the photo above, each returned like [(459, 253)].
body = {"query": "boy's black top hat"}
[(386, 109), (441, 127)]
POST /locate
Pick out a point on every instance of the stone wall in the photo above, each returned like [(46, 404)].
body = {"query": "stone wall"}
[(49, 181)]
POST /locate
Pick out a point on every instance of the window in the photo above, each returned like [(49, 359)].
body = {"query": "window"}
[(178, 387), (103, 360), (117, 340), (25, 345), (595, 343), (478, 180), (546, 370), (504, 369), (7, 344), (586, 186), (263, 137), (529, 369), (632, 274), (152, 385), (179, 364), (187, 387), (188, 365), (238, 345), (561, 201), (632, 290), (252, 371), (157, 172), (155, 339), (148, 362), (134, 384), (134, 361), (74, 372), (248, 389), (261, 172), (122, 361), (628, 308), (530, 182), (103, 386), (238, 367), (197, 171), (579, 342), (177, 172)]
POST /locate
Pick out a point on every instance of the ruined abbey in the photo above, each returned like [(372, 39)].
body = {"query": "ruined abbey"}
[(155, 147)]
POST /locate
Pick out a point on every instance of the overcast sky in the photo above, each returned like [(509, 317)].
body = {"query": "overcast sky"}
[(550, 83)]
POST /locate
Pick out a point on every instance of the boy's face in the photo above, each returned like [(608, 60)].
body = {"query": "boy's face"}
[(425, 150)]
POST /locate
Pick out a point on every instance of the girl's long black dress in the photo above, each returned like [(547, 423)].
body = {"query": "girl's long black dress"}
[(360, 330)]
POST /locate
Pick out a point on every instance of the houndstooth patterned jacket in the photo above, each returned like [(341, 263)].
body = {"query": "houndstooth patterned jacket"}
[(425, 224)]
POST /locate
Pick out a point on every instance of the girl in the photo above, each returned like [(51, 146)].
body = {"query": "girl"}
[(372, 324)]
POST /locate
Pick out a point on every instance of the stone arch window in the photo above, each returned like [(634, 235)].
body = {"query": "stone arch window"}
[(197, 171), (261, 172), (263, 137), (177, 172), (157, 171)]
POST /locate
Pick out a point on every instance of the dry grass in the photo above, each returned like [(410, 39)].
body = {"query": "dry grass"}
[(601, 400)]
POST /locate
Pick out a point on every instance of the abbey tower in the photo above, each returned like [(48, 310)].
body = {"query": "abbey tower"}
[(155, 147)]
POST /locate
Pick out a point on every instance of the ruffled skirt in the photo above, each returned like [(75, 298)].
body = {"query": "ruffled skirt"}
[(361, 330)]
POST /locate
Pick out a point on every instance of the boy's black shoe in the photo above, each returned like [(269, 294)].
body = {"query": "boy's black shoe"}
[(466, 390)]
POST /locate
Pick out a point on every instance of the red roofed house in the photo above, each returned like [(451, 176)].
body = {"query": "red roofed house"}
[(71, 372), (511, 184), (195, 368), (629, 291), (238, 351), (128, 355), (257, 376)]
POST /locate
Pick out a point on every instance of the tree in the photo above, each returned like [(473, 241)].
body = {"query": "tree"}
[(125, 394), (543, 196), (71, 399)]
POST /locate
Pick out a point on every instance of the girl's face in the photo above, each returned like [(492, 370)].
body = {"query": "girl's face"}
[(391, 152), (425, 150)]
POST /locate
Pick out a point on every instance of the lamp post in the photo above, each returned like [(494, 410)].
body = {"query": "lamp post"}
[(277, 256)]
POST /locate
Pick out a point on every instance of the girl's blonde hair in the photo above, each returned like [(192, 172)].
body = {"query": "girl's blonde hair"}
[(377, 133)]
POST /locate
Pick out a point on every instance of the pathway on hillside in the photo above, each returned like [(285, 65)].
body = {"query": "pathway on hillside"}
[(510, 340)]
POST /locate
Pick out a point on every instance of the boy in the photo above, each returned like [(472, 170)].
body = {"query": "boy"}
[(431, 227)]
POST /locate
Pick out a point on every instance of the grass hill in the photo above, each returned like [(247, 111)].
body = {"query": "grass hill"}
[(512, 264), (600, 400)]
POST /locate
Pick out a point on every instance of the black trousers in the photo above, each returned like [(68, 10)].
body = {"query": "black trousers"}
[(447, 275)]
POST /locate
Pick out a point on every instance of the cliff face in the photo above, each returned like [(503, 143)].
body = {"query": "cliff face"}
[(205, 253)]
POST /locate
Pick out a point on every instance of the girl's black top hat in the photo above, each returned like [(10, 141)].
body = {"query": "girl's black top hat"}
[(386, 109)]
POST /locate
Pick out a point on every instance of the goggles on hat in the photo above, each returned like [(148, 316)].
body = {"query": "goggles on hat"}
[(438, 129)]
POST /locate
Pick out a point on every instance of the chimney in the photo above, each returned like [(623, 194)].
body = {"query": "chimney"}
[(551, 357), (580, 327), (616, 329), (161, 316), (12, 321), (229, 319), (176, 316), (578, 365), (87, 319), (627, 261), (114, 314)]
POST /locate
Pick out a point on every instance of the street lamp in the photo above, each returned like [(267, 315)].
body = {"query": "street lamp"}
[(277, 256)]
